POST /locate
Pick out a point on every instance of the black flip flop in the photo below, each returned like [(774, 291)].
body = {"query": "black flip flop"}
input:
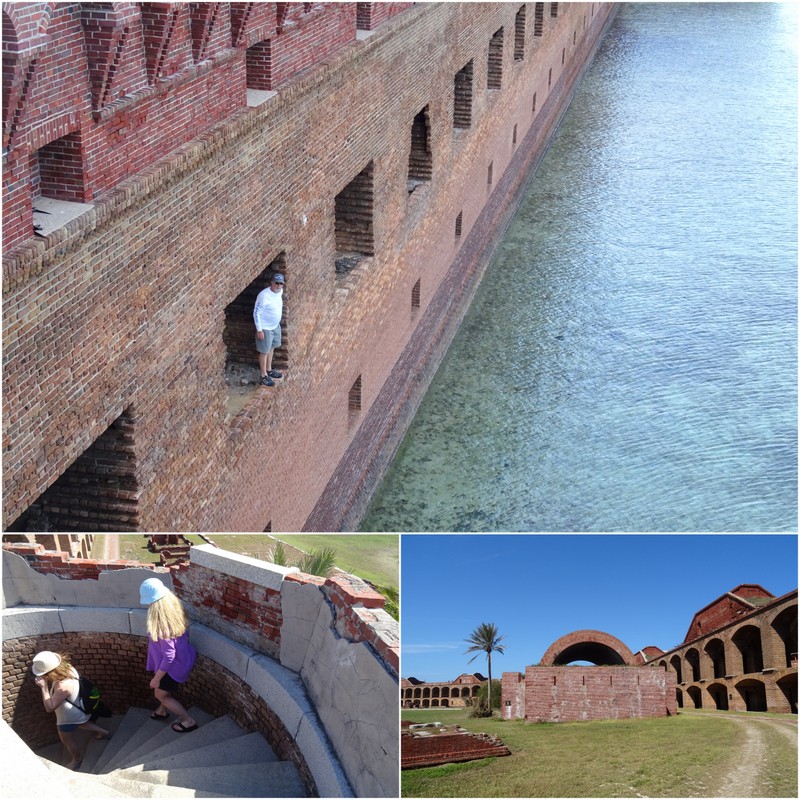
[(179, 727), (161, 717)]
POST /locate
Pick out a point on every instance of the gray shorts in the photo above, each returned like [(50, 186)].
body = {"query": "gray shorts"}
[(271, 340)]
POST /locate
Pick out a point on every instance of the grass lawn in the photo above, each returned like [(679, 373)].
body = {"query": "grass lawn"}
[(679, 756)]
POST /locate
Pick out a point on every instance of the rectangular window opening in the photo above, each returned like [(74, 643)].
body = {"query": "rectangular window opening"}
[(553, 9), (495, 74), (459, 220), (549, 77), (242, 372), (533, 104), (99, 491), (58, 189), (489, 173), (420, 160), (353, 221), (538, 19), (514, 135), (519, 34), (462, 97)]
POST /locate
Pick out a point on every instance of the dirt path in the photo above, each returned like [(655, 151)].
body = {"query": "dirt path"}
[(749, 775)]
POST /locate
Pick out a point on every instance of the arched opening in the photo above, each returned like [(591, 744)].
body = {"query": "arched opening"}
[(435, 703), (748, 640), (465, 691), (663, 665), (435, 691), (426, 703), (785, 625), (788, 685), (695, 696), (675, 663), (417, 692), (693, 659), (445, 703), (445, 691), (715, 650), (719, 694), (475, 690), (426, 692), (753, 693), (679, 697)]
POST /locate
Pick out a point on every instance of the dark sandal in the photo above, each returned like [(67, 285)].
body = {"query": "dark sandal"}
[(162, 717), (179, 727)]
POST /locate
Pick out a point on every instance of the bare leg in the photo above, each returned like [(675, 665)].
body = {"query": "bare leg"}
[(170, 703), (70, 742), (97, 730), (262, 362), (269, 359)]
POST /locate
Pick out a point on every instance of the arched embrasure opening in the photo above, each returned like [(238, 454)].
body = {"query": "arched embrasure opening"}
[(785, 625), (753, 693), (748, 640), (696, 696), (679, 697), (788, 685), (693, 659), (719, 694), (715, 650), (675, 663)]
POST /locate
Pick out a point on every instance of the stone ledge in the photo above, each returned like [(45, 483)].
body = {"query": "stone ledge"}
[(259, 573)]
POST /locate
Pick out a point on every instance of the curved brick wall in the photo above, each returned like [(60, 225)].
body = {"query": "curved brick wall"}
[(588, 645), (116, 663)]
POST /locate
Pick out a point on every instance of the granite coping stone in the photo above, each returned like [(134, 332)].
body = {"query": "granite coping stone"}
[(259, 573)]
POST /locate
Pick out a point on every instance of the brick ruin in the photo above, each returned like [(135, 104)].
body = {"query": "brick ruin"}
[(160, 159), (615, 688), (424, 746)]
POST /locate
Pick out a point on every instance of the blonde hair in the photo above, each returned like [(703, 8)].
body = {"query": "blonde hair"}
[(63, 672), (166, 618)]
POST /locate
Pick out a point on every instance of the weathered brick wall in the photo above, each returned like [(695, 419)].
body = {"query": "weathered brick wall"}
[(123, 310), (757, 649), (117, 664), (725, 610), (445, 748), (512, 704), (572, 694)]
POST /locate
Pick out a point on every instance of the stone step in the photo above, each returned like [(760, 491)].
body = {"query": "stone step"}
[(113, 782), (77, 784), (272, 779), (251, 748), (131, 722), (218, 730), (152, 735), (96, 747)]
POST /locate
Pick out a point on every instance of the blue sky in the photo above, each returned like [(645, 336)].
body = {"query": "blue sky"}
[(643, 589)]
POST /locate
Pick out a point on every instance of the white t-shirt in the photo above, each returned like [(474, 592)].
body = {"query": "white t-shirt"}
[(268, 310)]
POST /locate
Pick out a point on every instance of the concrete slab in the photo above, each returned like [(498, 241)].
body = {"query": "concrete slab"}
[(300, 604), (131, 722), (251, 748), (321, 760), (49, 214), (260, 573), (281, 688)]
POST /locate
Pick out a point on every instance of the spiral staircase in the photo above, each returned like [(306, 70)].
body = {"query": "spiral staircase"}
[(146, 758)]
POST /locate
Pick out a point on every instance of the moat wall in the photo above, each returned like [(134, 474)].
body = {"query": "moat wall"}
[(115, 329)]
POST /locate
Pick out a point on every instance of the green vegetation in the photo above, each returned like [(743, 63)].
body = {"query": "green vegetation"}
[(683, 756), (485, 638), (483, 694)]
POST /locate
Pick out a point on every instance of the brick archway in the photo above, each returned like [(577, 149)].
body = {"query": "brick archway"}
[(594, 646)]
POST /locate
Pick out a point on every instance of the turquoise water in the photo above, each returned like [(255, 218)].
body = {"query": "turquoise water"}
[(629, 362)]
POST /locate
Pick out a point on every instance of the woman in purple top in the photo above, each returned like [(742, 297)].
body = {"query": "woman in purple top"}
[(169, 653)]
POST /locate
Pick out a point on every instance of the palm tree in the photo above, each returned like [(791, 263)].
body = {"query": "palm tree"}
[(486, 639)]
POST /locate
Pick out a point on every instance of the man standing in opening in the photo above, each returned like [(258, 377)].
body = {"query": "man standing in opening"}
[(267, 316)]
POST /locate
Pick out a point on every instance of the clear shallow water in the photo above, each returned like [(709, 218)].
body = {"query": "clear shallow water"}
[(629, 362)]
